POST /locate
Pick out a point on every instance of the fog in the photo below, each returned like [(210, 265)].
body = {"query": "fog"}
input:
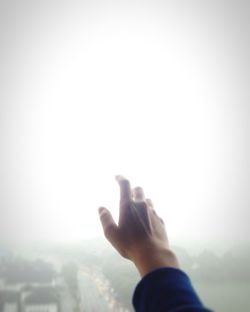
[(155, 90)]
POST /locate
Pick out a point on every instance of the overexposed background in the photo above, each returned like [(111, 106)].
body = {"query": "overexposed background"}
[(155, 90)]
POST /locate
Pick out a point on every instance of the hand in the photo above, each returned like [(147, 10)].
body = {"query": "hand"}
[(140, 234)]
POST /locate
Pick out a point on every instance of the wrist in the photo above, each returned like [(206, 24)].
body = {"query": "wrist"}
[(152, 259)]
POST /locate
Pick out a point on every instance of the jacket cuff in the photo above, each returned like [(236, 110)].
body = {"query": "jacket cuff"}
[(166, 288)]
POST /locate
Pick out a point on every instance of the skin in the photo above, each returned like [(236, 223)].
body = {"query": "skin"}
[(140, 234)]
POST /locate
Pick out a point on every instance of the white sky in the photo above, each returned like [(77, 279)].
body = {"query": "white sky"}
[(157, 91)]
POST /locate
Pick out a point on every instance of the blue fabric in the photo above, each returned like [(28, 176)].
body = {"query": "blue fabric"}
[(166, 290)]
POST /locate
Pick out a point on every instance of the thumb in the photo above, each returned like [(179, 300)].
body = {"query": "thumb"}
[(110, 228)]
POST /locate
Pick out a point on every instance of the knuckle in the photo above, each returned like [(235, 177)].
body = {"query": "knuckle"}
[(141, 204)]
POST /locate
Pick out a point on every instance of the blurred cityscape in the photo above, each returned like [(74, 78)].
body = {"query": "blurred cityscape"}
[(90, 277), (46, 281)]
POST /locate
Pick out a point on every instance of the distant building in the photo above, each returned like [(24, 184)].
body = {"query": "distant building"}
[(29, 299), (10, 301), (1, 283), (41, 299), (28, 287)]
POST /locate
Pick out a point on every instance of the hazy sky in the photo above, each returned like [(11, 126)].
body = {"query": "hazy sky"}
[(155, 90)]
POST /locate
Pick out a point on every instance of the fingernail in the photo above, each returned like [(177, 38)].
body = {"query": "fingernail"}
[(119, 177), (101, 210)]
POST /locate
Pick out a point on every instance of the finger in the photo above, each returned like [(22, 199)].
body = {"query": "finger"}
[(162, 221), (150, 203), (151, 206), (138, 194), (125, 192), (141, 212), (109, 226)]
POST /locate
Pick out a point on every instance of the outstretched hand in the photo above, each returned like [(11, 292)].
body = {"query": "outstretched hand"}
[(140, 234)]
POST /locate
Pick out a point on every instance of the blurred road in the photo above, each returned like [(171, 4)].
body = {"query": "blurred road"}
[(67, 302), (96, 295)]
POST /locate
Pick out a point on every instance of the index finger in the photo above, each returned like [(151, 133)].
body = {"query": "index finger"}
[(125, 192)]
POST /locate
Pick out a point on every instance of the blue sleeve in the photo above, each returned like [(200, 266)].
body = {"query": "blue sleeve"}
[(166, 289)]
